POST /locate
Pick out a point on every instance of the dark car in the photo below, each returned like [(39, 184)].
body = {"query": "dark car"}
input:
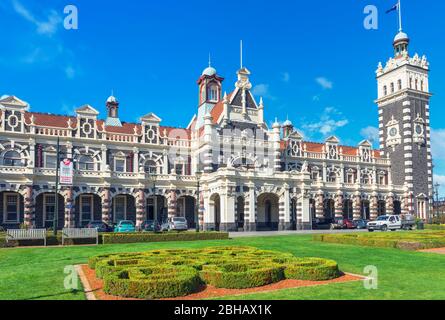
[(100, 226), (322, 224), (150, 226), (361, 224)]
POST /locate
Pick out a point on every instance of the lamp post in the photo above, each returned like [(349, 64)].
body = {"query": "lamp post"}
[(56, 193), (198, 177), (437, 186)]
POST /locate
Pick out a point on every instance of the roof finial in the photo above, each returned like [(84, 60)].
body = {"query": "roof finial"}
[(210, 60), (399, 6), (241, 54)]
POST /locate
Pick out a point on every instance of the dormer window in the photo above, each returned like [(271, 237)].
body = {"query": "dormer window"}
[(212, 93)]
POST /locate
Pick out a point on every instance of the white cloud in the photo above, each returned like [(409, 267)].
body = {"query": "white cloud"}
[(330, 121), (70, 72), (371, 134), (45, 27), (325, 83), (438, 144), (285, 77), (262, 90)]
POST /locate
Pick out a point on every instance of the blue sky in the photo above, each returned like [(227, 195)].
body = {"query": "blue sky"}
[(312, 63)]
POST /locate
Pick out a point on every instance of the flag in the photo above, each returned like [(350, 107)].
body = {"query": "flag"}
[(394, 8)]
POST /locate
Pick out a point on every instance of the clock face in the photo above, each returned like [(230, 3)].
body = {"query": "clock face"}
[(393, 132), (419, 129)]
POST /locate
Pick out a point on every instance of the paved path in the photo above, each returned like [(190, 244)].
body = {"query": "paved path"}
[(287, 233)]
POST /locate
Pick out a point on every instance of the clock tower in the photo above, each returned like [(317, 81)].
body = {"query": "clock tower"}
[(404, 124)]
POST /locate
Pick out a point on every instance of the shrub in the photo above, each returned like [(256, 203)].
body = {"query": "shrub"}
[(173, 273), (112, 238), (399, 240)]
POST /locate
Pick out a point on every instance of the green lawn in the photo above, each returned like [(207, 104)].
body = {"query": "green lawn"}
[(28, 273)]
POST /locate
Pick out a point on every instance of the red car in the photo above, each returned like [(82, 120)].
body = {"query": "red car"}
[(341, 223), (349, 224)]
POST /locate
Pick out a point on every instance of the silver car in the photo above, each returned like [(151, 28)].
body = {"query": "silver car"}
[(178, 224)]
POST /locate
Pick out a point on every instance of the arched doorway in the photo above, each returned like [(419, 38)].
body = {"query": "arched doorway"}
[(348, 211), (186, 207), (240, 204), (397, 207), (215, 211), (156, 209), (381, 208), (88, 207), (45, 208), (123, 208), (365, 210), (329, 209), (11, 209), (268, 212)]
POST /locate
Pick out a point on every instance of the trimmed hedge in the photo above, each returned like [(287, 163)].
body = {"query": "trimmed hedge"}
[(418, 240), (435, 226), (112, 238), (174, 273)]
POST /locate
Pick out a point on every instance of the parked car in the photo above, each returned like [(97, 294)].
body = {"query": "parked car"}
[(100, 226), (322, 224), (342, 223), (408, 221), (125, 226), (361, 224), (385, 223), (175, 224), (150, 226)]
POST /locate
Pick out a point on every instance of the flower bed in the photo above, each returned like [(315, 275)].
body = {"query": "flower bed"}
[(175, 273), (399, 240), (112, 238)]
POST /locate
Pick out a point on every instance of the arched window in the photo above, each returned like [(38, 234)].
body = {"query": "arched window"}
[(212, 94), (150, 167), (12, 159), (86, 163)]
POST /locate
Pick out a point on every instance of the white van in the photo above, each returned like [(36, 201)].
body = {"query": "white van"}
[(385, 223)]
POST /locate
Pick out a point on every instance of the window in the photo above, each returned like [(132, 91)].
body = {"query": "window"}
[(150, 167), (120, 208), (179, 168), (86, 163), (50, 161), (421, 85), (392, 87), (12, 159), (400, 84), (11, 208), (119, 165), (350, 177), (382, 180), (332, 177), (86, 209), (315, 175), (417, 84), (49, 208), (366, 179), (213, 93), (410, 83), (385, 90)]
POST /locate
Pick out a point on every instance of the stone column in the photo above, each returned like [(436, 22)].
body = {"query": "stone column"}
[(70, 221), (29, 215), (284, 211), (357, 207), (250, 210), (373, 209), (106, 206), (390, 204), (319, 206), (339, 205), (201, 211), (140, 207), (172, 204)]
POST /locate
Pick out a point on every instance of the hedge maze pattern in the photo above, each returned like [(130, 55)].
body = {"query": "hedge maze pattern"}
[(175, 273)]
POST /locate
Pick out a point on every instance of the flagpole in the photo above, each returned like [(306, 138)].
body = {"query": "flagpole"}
[(400, 16)]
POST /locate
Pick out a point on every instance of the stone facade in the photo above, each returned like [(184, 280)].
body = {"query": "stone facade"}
[(244, 175)]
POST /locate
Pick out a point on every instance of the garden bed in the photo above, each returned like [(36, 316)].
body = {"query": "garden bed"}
[(418, 240), (188, 273)]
